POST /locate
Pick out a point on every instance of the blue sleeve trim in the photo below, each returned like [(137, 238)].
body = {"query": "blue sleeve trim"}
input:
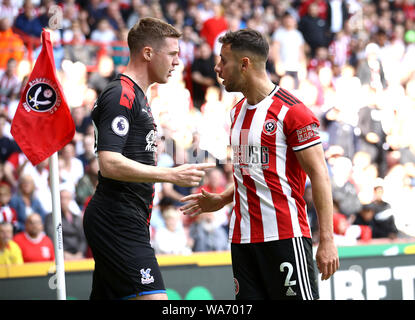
[(142, 294), (151, 292)]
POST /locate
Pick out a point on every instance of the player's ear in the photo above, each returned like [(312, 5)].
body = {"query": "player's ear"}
[(147, 53), (245, 63)]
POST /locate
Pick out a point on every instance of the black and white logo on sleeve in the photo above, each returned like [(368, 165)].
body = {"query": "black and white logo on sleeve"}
[(120, 126)]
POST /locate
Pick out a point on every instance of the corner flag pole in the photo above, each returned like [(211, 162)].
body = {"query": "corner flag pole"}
[(57, 227)]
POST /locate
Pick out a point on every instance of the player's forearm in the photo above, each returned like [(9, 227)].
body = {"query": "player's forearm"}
[(115, 166), (323, 202), (313, 162)]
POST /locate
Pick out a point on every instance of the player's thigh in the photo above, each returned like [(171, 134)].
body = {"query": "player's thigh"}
[(247, 280)]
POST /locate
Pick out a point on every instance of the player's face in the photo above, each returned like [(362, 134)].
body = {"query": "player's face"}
[(227, 69), (165, 60)]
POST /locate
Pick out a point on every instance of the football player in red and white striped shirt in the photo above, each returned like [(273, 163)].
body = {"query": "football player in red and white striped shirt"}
[(276, 144)]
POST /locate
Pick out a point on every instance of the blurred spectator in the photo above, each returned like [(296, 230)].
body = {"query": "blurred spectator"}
[(105, 73), (203, 74), (40, 175), (7, 145), (120, 51), (75, 46), (370, 69), (104, 32), (25, 202), (319, 60), (383, 221), (87, 184), (71, 168), (171, 238), (213, 128), (372, 135), (288, 50), (344, 191), (10, 252), (2, 176), (7, 213), (234, 24), (187, 45), (82, 120), (346, 233), (365, 217), (339, 48), (113, 15), (11, 45), (400, 193), (314, 29), (321, 5), (208, 235), (138, 10), (337, 15), (96, 11), (340, 134), (169, 11), (88, 150), (9, 10), (206, 9), (364, 174), (27, 21), (74, 242), (35, 245), (213, 26), (9, 84)]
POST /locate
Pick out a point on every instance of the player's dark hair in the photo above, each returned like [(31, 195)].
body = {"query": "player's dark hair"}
[(150, 32), (247, 40)]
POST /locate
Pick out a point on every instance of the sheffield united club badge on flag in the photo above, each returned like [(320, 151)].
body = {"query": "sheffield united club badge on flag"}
[(43, 123)]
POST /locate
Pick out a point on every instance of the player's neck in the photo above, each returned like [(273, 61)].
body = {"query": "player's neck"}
[(258, 89), (138, 76)]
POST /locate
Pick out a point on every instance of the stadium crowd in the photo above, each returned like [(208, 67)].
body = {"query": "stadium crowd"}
[(352, 62)]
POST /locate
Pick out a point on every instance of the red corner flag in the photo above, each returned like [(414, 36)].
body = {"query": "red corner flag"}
[(43, 123)]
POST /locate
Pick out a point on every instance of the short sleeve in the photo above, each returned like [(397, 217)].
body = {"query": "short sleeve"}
[(301, 128), (112, 124)]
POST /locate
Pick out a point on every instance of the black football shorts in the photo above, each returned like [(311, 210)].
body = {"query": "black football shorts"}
[(278, 270), (125, 262)]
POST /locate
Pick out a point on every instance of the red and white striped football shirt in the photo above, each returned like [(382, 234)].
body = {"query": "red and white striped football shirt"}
[(269, 181)]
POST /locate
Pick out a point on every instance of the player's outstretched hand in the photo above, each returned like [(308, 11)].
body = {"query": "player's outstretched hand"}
[(201, 202), (190, 175)]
